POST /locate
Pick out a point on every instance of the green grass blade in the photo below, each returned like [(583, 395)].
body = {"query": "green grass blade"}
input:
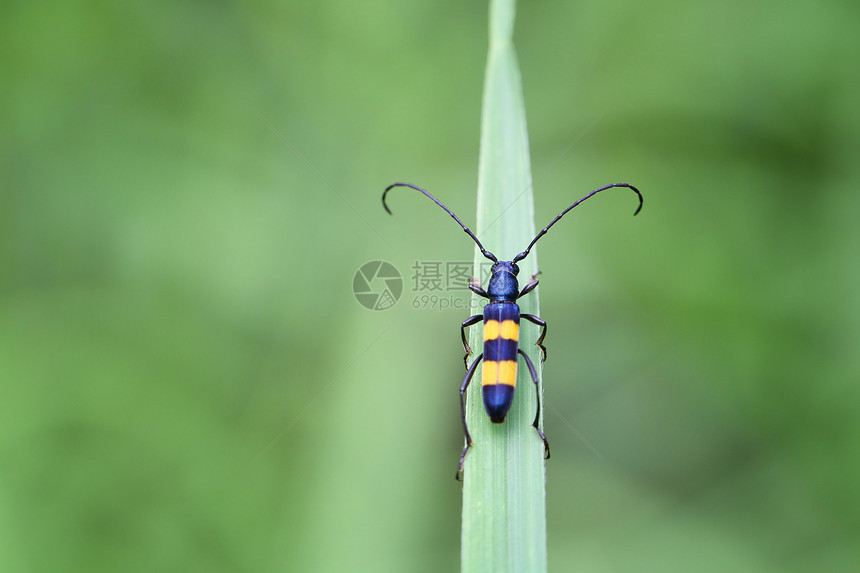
[(504, 511)]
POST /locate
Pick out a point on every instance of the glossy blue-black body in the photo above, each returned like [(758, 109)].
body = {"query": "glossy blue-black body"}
[(500, 355), (500, 352)]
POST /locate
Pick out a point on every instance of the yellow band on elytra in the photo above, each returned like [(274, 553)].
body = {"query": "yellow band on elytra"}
[(491, 330), (508, 329), (499, 372)]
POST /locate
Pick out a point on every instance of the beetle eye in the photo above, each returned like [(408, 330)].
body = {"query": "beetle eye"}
[(516, 269)]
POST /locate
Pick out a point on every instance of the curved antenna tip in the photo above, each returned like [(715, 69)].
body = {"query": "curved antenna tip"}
[(384, 193), (641, 199)]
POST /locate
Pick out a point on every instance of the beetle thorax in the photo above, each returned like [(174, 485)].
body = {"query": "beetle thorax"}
[(503, 283)]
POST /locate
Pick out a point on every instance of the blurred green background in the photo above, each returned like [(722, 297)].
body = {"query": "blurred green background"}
[(187, 189)]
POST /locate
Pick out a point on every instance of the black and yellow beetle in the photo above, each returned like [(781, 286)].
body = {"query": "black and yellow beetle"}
[(501, 319)]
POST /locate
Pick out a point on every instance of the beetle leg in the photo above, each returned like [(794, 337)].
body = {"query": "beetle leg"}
[(466, 323), (475, 287), (463, 388), (542, 323), (533, 373)]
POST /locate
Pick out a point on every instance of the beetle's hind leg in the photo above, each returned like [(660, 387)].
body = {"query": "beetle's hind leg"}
[(463, 389), (533, 373)]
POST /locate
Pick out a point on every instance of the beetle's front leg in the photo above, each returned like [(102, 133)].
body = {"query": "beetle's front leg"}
[(475, 287), (530, 286)]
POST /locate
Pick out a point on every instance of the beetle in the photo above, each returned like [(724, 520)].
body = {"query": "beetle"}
[(501, 318)]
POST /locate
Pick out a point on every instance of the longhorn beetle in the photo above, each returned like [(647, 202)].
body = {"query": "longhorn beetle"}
[(502, 325)]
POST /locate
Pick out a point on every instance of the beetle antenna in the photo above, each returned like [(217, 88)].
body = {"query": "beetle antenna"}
[(484, 251), (525, 253)]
